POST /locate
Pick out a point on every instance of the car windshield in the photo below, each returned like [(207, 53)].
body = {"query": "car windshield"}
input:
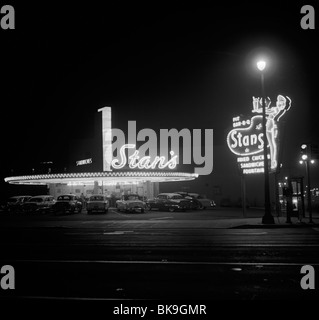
[(176, 196), (131, 197), (97, 198), (36, 200), (65, 198)]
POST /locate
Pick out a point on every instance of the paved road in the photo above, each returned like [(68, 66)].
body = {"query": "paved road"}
[(155, 256)]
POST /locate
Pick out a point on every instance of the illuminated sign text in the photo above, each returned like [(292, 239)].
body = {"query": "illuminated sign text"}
[(145, 162), (183, 146), (247, 141), (82, 162)]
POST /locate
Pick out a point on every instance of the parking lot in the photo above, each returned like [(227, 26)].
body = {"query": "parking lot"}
[(159, 255), (113, 213), (218, 217)]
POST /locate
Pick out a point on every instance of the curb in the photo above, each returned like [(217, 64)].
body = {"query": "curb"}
[(274, 226)]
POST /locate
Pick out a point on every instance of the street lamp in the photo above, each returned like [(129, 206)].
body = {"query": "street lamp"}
[(261, 65), (305, 159), (267, 218)]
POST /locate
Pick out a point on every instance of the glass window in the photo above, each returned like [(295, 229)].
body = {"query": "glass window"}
[(65, 198), (97, 198), (133, 198), (36, 200)]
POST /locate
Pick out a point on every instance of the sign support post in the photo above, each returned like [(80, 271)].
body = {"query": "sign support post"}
[(243, 194)]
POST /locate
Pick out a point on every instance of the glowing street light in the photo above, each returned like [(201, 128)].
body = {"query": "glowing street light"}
[(267, 218), (261, 65), (304, 157)]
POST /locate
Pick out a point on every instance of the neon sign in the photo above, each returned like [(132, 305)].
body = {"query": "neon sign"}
[(82, 162), (190, 146), (145, 162), (246, 139)]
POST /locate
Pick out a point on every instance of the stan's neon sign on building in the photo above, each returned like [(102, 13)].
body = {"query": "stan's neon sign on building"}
[(246, 139), (118, 154)]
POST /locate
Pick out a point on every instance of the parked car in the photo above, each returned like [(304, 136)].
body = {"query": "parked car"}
[(97, 203), (194, 203), (130, 203), (42, 203), (15, 203), (169, 201), (70, 203), (204, 202)]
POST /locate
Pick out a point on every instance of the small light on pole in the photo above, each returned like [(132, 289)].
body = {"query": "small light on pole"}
[(306, 158)]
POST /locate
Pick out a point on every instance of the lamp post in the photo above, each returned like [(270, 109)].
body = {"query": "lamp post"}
[(305, 158), (309, 191), (267, 218)]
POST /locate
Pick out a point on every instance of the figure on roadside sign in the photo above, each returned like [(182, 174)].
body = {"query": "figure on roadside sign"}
[(273, 114)]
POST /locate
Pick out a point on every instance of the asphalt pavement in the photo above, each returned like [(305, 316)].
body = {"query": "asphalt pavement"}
[(218, 217), (217, 254)]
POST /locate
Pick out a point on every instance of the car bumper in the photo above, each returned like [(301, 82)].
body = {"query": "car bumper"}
[(135, 208), (96, 208), (62, 208), (176, 206), (35, 209)]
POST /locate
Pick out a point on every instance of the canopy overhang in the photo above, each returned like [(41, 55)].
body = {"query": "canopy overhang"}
[(106, 177)]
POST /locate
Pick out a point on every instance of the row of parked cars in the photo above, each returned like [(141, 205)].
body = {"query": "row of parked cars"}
[(71, 203), (66, 203), (177, 201)]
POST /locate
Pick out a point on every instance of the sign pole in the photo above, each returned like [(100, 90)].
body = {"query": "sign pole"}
[(278, 209), (243, 194)]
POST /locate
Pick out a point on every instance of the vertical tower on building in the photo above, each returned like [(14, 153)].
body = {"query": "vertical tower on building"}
[(107, 137)]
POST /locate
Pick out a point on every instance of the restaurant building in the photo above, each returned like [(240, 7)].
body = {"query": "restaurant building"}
[(117, 177)]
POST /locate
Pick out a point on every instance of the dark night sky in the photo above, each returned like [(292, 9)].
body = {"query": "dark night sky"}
[(187, 66)]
